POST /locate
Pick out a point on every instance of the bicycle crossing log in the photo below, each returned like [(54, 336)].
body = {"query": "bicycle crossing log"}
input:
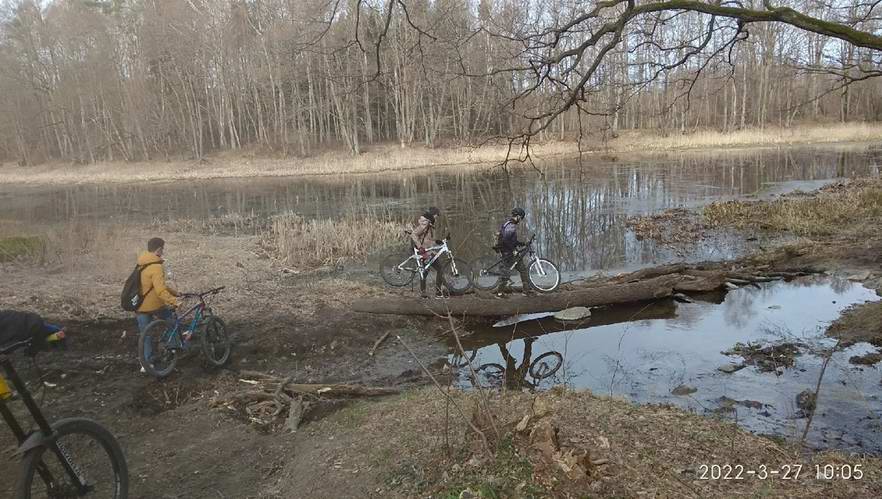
[(647, 289)]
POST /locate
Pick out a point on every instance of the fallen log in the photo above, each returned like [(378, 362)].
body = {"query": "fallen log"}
[(648, 289)]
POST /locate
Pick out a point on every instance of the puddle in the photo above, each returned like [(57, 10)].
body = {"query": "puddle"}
[(644, 352)]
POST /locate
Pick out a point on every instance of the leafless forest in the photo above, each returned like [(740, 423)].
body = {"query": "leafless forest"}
[(87, 81)]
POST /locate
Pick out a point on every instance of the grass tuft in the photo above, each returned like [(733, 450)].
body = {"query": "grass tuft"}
[(305, 243)]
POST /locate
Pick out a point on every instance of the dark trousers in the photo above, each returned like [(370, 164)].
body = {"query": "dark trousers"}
[(520, 266), (437, 265)]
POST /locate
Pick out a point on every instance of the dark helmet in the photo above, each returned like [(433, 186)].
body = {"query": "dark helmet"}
[(518, 212), (431, 213)]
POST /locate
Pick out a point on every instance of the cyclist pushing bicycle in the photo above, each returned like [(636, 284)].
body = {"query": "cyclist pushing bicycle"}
[(507, 244), (423, 236)]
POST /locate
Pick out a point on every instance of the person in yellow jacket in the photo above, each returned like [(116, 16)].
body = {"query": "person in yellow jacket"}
[(160, 299)]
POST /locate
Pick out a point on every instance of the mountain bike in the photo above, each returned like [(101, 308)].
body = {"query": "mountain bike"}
[(72, 457), (399, 269), (161, 341), (543, 273)]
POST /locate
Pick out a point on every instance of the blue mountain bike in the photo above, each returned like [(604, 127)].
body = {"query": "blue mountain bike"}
[(162, 341)]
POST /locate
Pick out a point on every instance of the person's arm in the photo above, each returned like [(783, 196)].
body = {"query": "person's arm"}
[(419, 232), (164, 292)]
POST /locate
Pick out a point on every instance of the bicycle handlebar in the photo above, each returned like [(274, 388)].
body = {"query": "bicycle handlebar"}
[(55, 337), (203, 294)]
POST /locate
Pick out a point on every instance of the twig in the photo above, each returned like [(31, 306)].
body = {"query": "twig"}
[(378, 343), (808, 423), (474, 377), (449, 398)]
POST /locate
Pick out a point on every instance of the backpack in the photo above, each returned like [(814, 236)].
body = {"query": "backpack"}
[(131, 297), (498, 246)]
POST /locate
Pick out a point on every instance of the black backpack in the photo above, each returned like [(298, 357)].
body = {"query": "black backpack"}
[(131, 298)]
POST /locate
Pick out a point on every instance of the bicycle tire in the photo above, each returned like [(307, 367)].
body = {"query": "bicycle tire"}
[(458, 360), (117, 484), (215, 340), (456, 276), (544, 275), (154, 330), (395, 276), (542, 370), (482, 278)]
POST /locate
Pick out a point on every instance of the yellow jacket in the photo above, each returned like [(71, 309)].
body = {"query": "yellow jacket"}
[(156, 293)]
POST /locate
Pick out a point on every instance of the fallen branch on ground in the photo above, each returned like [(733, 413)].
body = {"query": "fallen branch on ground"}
[(270, 396)]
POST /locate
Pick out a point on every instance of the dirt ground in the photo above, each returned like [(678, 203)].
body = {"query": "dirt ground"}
[(181, 443)]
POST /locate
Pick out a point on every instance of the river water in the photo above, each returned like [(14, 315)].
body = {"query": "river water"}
[(578, 210)]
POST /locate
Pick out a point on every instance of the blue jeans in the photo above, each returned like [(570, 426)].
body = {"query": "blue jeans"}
[(144, 319)]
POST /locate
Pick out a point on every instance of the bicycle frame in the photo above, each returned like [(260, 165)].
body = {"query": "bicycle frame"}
[(32, 440), (179, 320), (517, 256), (423, 268)]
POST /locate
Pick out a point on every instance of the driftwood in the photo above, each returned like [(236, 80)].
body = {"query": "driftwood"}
[(648, 289), (643, 285), (378, 343), (270, 396)]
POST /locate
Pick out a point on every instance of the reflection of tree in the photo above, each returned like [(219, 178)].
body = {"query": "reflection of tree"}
[(738, 307)]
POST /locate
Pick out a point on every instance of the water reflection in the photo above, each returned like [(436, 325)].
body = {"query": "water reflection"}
[(526, 373), (644, 352), (577, 210)]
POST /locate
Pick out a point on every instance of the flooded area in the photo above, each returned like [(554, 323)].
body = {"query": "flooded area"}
[(671, 353), (577, 210)]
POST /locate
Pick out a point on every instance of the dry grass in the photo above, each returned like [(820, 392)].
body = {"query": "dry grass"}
[(652, 451), (827, 212), (77, 244), (772, 136), (392, 158), (306, 243)]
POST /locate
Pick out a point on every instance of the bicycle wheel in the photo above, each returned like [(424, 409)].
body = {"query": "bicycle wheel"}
[(544, 275), (546, 365), (492, 374), (457, 276), (485, 273), (91, 452), (215, 342), (156, 357), (398, 270)]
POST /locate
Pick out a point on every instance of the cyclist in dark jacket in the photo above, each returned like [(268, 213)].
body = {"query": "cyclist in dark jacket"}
[(18, 326), (508, 244)]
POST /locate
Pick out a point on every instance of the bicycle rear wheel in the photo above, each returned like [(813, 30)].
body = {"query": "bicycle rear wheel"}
[(215, 342), (457, 276), (154, 352), (89, 450), (397, 270), (544, 275), (486, 274)]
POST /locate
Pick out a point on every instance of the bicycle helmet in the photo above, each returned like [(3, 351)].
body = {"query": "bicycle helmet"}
[(431, 213), (518, 212)]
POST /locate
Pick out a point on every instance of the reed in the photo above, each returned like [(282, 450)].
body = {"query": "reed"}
[(306, 243)]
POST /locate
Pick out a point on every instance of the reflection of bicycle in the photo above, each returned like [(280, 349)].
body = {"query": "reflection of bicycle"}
[(399, 269), (73, 457), (543, 367), (489, 270), (161, 341)]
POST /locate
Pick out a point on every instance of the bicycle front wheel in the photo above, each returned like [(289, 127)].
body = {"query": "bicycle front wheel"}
[(457, 276), (157, 356), (84, 460), (546, 365), (215, 342), (544, 275), (398, 269), (486, 274)]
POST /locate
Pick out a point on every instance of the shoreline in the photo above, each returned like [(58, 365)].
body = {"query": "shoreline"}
[(391, 159)]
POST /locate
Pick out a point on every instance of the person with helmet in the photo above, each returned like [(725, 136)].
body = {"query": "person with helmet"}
[(507, 245), (423, 235)]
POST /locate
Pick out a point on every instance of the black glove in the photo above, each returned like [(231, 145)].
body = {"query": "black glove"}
[(438, 241)]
